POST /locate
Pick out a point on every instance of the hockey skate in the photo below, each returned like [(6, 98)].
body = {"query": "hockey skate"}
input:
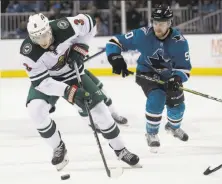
[(119, 119), (60, 158), (178, 133), (128, 157), (153, 142)]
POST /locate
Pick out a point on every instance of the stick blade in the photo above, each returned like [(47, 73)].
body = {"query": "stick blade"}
[(207, 171), (116, 172)]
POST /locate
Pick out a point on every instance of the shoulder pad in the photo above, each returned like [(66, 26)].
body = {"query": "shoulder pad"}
[(31, 50), (145, 30), (62, 29), (177, 36)]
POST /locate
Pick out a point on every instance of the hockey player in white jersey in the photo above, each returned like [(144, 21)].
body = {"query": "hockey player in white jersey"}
[(48, 55)]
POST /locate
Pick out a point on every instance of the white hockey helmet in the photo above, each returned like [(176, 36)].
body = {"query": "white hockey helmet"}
[(39, 30)]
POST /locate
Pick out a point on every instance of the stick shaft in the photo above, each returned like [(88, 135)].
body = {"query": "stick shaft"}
[(181, 88), (92, 124)]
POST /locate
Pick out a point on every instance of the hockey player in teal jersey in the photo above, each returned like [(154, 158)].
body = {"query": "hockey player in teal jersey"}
[(164, 54)]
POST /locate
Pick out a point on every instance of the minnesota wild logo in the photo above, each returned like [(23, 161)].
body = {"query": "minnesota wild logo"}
[(63, 24)]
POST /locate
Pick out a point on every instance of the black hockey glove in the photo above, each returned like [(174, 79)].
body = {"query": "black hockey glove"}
[(174, 83), (73, 93), (119, 65), (77, 54)]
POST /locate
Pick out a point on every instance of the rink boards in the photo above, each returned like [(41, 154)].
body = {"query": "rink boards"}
[(205, 53)]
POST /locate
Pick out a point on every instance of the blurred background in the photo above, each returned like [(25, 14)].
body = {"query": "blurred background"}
[(113, 17)]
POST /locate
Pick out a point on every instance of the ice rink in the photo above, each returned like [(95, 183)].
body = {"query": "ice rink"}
[(25, 158)]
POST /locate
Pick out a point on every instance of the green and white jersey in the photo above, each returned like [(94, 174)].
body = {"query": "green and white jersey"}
[(41, 64)]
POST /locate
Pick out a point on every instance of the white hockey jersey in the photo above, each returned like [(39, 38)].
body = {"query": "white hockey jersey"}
[(47, 68)]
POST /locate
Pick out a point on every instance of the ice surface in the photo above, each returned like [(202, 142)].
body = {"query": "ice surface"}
[(25, 158)]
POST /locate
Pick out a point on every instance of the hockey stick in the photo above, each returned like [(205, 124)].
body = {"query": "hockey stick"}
[(94, 55), (87, 57), (64, 175), (209, 171), (110, 173), (181, 88)]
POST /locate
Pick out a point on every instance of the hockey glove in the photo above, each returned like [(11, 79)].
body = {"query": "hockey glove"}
[(77, 54), (73, 93), (174, 83), (119, 65)]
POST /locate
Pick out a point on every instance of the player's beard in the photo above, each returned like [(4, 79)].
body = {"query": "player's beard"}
[(161, 29), (161, 34)]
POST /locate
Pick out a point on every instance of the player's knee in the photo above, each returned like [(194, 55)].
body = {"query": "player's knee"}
[(176, 113), (102, 117), (98, 83), (155, 101), (39, 111)]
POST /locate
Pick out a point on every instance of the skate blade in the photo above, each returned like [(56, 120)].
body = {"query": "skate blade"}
[(61, 166), (116, 172), (137, 166), (154, 149), (124, 125), (171, 133)]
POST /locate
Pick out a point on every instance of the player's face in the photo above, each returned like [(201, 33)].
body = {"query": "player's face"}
[(44, 40), (161, 28)]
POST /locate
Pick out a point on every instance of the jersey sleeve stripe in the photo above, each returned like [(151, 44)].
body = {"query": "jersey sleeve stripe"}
[(90, 22), (115, 42), (184, 76), (93, 21), (184, 71), (67, 74), (38, 81), (39, 76), (69, 77)]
